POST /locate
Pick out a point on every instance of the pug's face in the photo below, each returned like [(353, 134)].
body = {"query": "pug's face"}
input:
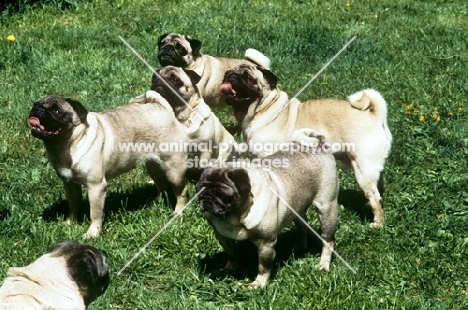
[(175, 79), (178, 50), (54, 117), (246, 83), (226, 190), (86, 266)]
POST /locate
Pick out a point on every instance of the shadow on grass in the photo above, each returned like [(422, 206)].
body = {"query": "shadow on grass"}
[(4, 214), (132, 200), (356, 202), (248, 257), (21, 5)]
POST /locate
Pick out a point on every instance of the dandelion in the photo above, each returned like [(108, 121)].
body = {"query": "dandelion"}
[(348, 5), (450, 114), (11, 38), (415, 110), (460, 109), (408, 108), (421, 118)]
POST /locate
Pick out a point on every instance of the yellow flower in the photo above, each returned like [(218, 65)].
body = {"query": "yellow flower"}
[(421, 118), (438, 118), (11, 38), (460, 109), (408, 108), (415, 110), (348, 5), (450, 114)]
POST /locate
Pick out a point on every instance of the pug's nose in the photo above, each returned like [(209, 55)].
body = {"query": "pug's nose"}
[(40, 110)]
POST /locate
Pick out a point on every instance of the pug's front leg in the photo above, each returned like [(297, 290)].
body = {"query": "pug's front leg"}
[(266, 257), (74, 198), (97, 196), (230, 247)]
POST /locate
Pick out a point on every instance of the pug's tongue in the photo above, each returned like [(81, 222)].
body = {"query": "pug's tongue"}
[(34, 122), (226, 88)]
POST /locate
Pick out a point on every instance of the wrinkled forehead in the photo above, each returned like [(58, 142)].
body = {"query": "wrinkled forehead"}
[(51, 101), (246, 69), (175, 38), (169, 71)]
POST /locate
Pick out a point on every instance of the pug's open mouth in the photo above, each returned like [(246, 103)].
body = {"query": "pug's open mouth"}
[(37, 128), (230, 93)]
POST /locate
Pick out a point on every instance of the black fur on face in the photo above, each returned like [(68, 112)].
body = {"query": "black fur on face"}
[(87, 267), (51, 118), (226, 190), (172, 52), (244, 89), (173, 78)]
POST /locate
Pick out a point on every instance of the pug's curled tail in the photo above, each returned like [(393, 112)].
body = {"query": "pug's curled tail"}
[(371, 100), (258, 58), (308, 137)]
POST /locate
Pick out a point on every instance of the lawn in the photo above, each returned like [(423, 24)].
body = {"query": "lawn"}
[(415, 53)]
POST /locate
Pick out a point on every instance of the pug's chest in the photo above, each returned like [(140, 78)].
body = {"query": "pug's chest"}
[(229, 228)]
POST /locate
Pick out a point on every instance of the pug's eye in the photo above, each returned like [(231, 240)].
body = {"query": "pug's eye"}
[(180, 49), (248, 78), (55, 110), (174, 79)]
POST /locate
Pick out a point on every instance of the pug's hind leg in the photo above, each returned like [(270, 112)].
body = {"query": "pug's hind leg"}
[(176, 177), (300, 243), (266, 257), (170, 179), (328, 214), (75, 200), (369, 177)]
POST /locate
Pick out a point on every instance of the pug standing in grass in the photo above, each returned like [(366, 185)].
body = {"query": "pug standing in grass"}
[(70, 277), (87, 148), (183, 51), (356, 129), (203, 127), (240, 202)]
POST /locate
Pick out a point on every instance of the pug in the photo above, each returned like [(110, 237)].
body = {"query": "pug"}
[(209, 139), (252, 202), (70, 276), (183, 51), (87, 148), (356, 129)]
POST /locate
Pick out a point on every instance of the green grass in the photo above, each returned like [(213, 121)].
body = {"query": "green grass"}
[(413, 52)]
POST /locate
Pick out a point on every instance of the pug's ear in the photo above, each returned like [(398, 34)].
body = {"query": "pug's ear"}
[(196, 46), (78, 108), (194, 77), (269, 76), (85, 271), (240, 178)]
